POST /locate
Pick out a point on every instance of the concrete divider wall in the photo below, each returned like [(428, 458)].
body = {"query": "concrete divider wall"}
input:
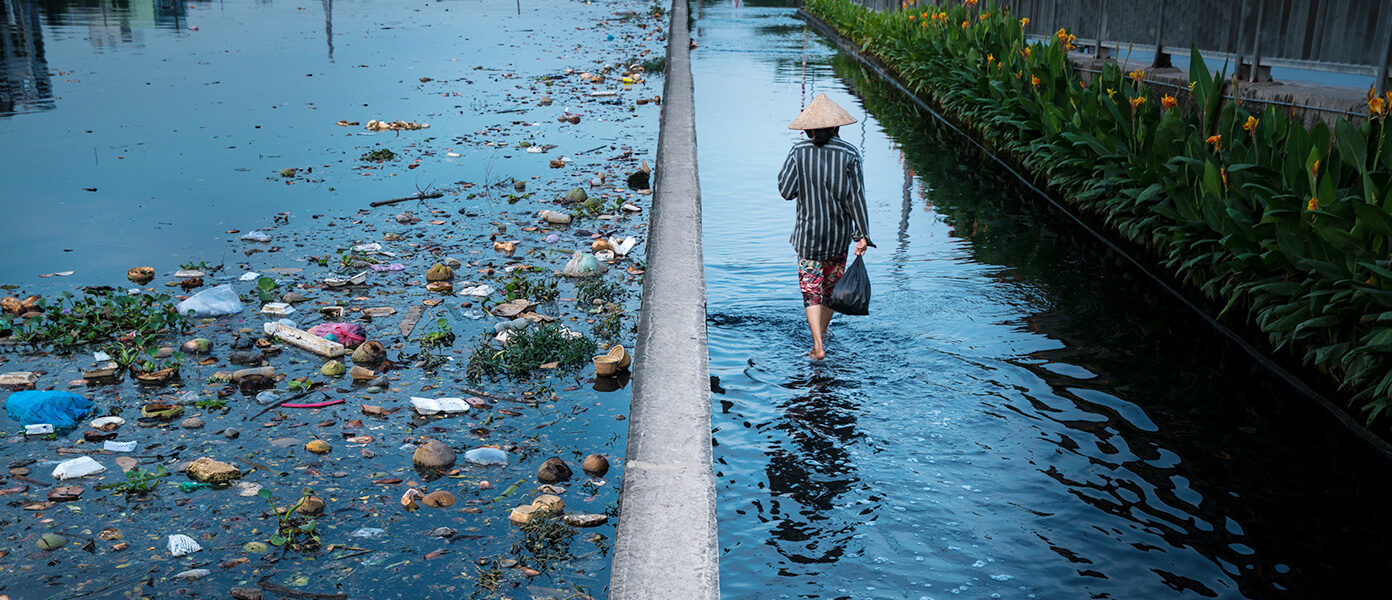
[(666, 544)]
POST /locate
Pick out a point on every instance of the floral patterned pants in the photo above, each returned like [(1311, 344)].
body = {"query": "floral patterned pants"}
[(818, 277)]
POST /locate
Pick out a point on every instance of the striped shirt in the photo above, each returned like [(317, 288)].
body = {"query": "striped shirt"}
[(830, 191)]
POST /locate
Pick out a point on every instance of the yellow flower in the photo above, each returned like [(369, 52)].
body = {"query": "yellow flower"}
[(970, 2), (1251, 125), (1024, 22), (1137, 102), (1168, 101), (1026, 52), (990, 58), (1136, 75), (1314, 169), (1034, 80), (1191, 86), (1215, 140), (982, 16), (1376, 106), (1313, 204), (1224, 174), (965, 24), (1111, 93)]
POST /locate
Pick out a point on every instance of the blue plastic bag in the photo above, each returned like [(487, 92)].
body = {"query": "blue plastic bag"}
[(60, 409)]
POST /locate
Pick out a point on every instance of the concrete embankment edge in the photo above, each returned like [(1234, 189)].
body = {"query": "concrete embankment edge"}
[(666, 544), (1337, 415)]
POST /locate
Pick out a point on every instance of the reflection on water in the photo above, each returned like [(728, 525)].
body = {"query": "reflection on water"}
[(25, 84), (24, 81), (1019, 417)]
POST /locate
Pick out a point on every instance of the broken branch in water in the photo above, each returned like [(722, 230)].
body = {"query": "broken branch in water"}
[(407, 199)]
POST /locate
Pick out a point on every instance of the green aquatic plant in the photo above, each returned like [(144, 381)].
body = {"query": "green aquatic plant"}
[(379, 155), (294, 530), (527, 350), (98, 316), (440, 335), (537, 289), (139, 482)]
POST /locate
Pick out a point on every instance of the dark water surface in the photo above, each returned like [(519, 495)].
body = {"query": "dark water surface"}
[(1018, 418)]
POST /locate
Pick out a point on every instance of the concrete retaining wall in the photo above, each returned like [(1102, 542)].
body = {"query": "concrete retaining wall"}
[(666, 544)]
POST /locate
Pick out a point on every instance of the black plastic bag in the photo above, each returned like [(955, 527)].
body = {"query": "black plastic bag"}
[(851, 296)]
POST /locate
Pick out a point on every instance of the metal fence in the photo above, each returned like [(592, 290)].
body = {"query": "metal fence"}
[(1342, 36)]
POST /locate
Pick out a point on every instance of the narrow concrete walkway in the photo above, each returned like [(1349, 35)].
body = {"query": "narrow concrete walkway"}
[(666, 543)]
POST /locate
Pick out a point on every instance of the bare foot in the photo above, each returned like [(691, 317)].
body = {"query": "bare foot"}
[(817, 354)]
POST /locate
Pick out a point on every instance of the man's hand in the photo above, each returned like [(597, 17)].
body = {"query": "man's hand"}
[(861, 245)]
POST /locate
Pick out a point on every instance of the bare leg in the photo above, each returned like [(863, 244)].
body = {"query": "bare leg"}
[(817, 323)]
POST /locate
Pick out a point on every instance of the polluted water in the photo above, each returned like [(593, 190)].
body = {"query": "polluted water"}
[(252, 332)]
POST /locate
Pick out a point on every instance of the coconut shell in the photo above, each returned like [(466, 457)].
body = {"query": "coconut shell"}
[(141, 275), (553, 470), (312, 505), (439, 272), (439, 499), (595, 465), (369, 353)]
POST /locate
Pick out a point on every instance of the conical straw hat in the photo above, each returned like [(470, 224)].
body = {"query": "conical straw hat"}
[(820, 114)]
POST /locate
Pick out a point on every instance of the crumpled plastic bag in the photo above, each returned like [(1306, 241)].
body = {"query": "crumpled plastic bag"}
[(583, 264), (180, 544), (62, 410), (212, 302), (432, 406), (81, 466), (348, 334)]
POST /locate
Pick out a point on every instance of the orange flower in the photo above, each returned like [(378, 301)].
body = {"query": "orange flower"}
[(1216, 141), (1065, 38), (1026, 52), (1314, 169), (1251, 125), (1137, 75), (990, 58), (970, 2), (1168, 102), (965, 24), (1376, 107), (1024, 22), (1224, 174), (1313, 204), (913, 17), (1034, 80), (1136, 103)]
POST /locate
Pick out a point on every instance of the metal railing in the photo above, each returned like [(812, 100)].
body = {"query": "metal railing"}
[(1338, 36)]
